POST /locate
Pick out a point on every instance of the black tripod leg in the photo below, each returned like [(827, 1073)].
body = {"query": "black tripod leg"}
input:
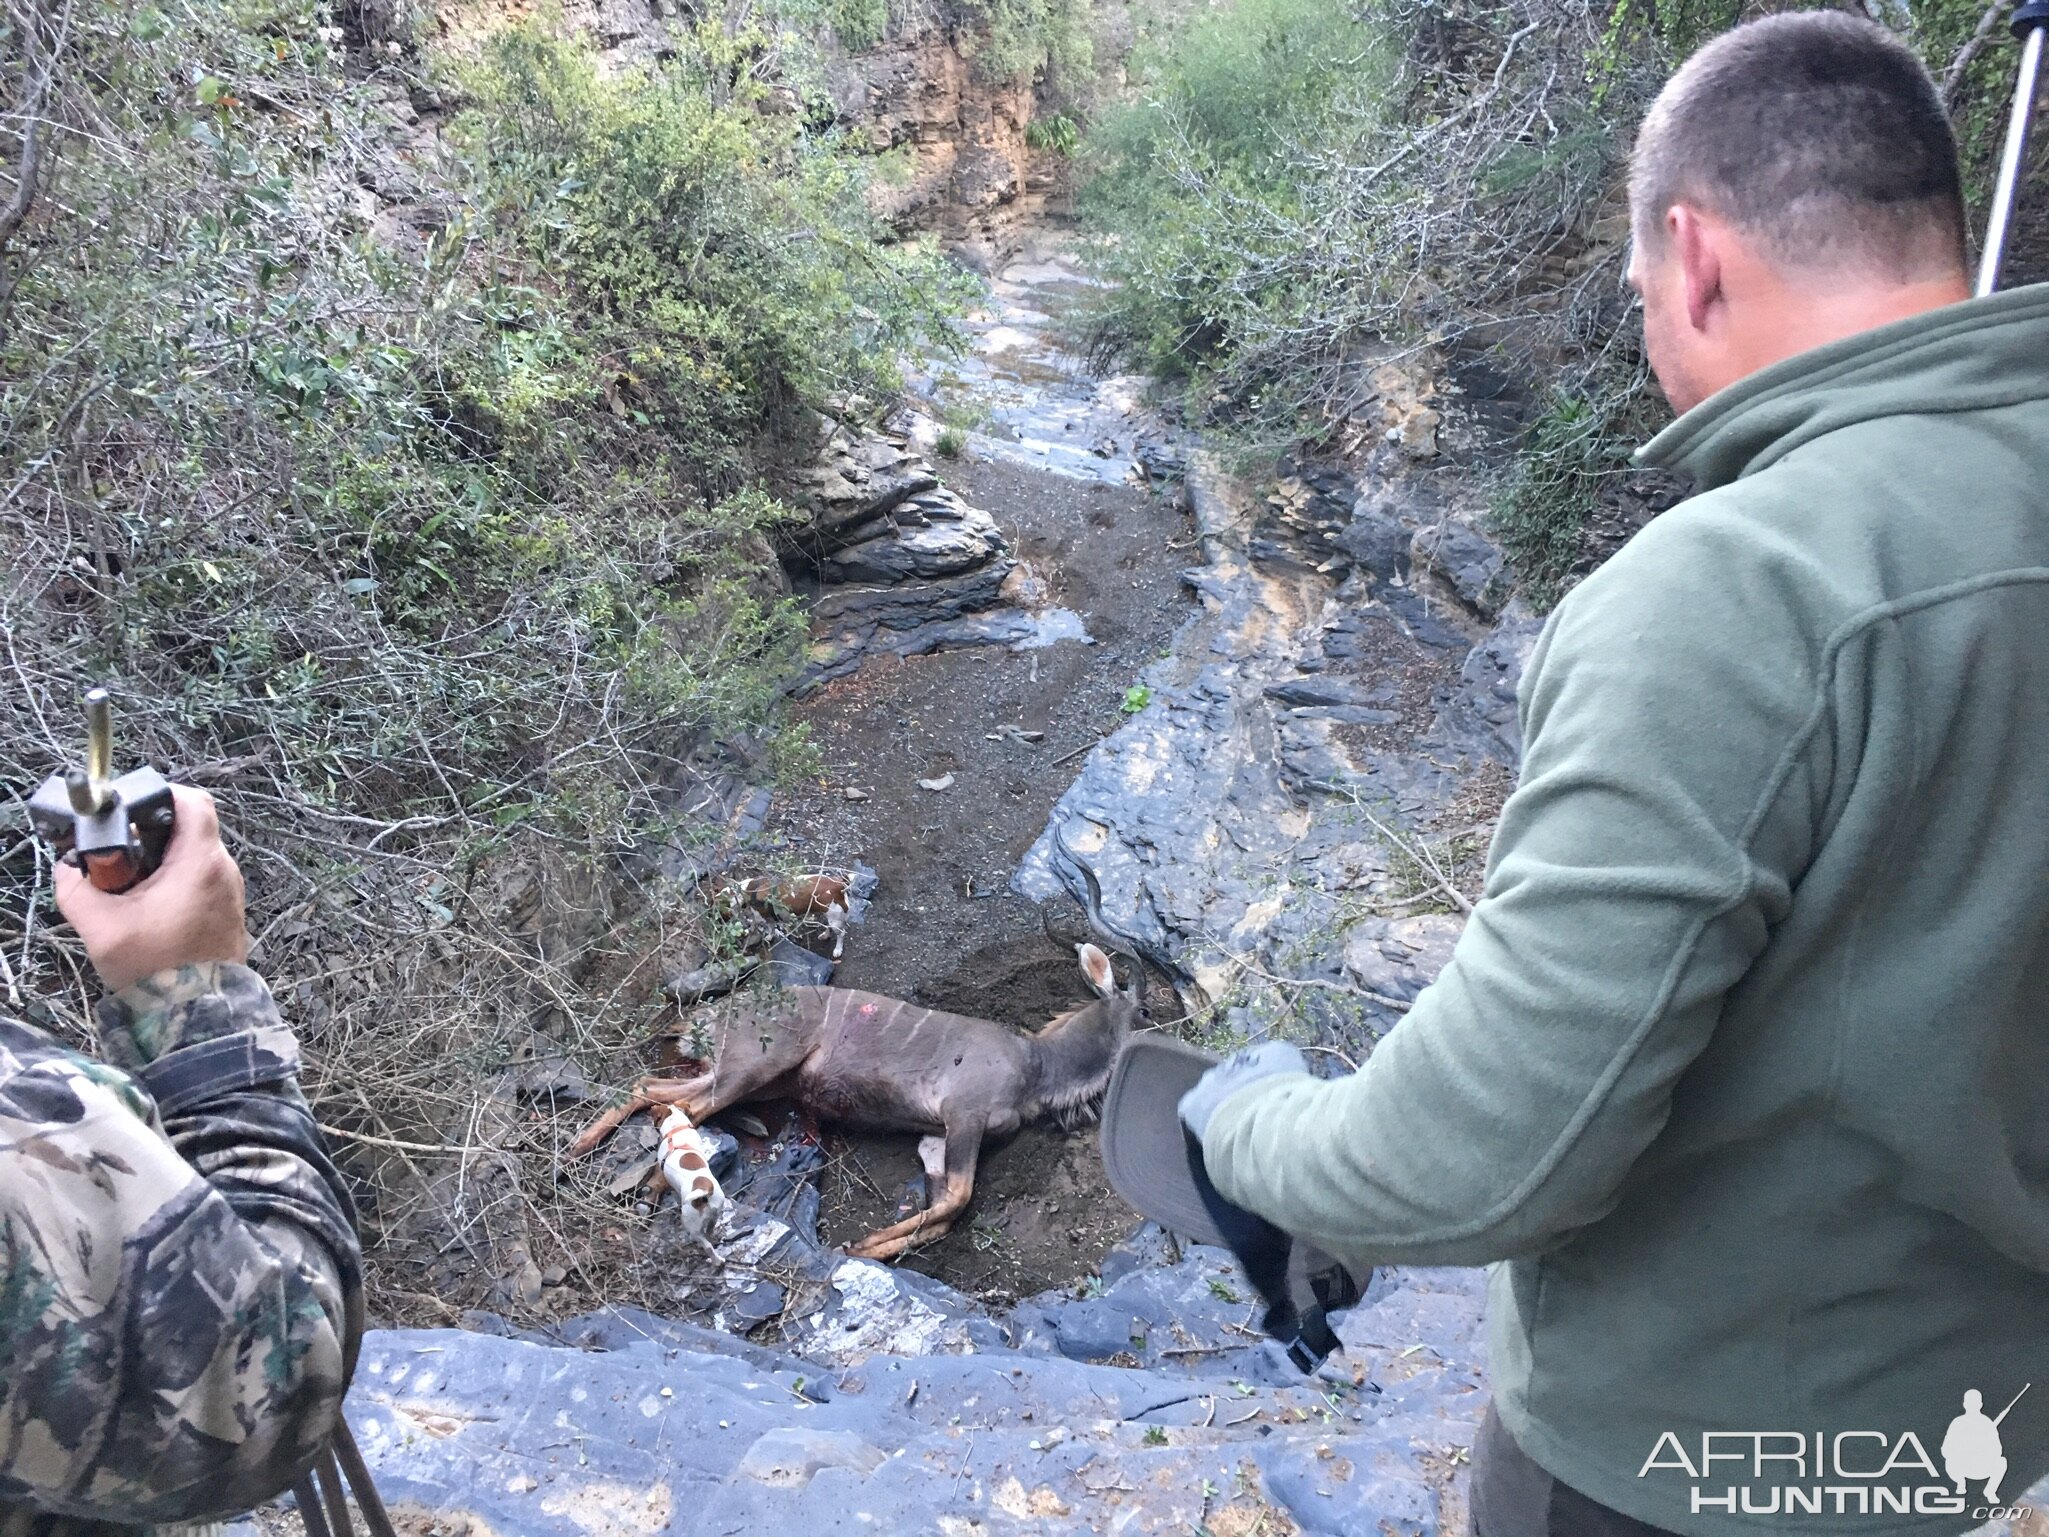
[(307, 1496), (368, 1500), (337, 1497)]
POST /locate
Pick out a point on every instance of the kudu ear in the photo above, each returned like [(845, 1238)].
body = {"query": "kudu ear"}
[(1096, 967)]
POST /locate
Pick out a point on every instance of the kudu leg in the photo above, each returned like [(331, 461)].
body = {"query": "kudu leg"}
[(932, 1154), (922, 1191), (950, 1196), (743, 1070), (646, 1095)]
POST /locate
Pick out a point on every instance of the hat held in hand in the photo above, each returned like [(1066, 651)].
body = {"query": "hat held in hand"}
[(1156, 1164)]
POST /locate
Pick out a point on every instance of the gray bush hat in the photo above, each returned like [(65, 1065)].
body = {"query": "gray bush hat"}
[(1150, 1159), (1156, 1164)]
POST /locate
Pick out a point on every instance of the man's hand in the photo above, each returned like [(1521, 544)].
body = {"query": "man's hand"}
[(1234, 1073), (187, 912)]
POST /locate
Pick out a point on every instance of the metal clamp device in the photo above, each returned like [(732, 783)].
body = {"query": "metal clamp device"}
[(115, 830)]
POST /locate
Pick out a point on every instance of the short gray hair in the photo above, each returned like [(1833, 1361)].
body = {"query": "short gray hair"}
[(1817, 133)]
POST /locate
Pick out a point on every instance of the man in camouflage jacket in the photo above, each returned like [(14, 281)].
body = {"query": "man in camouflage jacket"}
[(180, 1282)]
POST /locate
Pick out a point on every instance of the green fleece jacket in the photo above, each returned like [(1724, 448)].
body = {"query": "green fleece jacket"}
[(1742, 1063)]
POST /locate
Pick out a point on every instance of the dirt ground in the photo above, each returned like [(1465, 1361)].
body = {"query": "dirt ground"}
[(944, 929)]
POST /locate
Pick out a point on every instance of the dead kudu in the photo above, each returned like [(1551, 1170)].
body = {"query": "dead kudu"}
[(869, 1063)]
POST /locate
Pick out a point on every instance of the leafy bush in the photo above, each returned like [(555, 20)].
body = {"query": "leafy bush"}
[(1005, 38), (722, 261), (431, 556), (856, 23), (1302, 180), (1300, 186), (1574, 455), (1019, 36)]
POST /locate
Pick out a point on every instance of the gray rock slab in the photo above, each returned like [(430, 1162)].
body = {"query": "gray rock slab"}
[(792, 1455), (925, 549), (1465, 560), (1216, 821), (1399, 957), (1479, 716)]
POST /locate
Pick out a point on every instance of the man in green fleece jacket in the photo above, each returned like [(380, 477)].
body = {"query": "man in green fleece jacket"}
[(1739, 1069)]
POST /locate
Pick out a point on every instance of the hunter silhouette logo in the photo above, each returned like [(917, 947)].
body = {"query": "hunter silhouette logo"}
[(1971, 1447), (1860, 1472)]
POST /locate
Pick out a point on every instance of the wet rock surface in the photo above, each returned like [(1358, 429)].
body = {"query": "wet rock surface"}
[(895, 561), (1326, 714)]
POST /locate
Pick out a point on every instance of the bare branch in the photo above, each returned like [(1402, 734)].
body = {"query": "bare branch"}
[(1953, 77), (29, 165)]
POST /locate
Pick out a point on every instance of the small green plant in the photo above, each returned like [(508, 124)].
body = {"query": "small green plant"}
[(1058, 133), (1136, 698), (1574, 454), (951, 443), (897, 166), (1156, 1435), (1221, 1290), (856, 23)]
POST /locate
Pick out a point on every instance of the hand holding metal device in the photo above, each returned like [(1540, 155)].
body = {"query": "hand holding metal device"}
[(115, 830)]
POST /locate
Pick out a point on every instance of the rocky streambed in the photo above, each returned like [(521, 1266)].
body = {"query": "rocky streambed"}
[(1274, 723), (1066, 642)]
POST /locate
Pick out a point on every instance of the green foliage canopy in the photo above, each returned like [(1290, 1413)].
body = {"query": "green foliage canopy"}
[(430, 538), (1297, 187)]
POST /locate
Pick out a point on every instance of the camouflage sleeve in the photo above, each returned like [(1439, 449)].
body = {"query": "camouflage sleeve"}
[(180, 1283)]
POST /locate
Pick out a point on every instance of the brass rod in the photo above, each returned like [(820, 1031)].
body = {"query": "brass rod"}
[(99, 746)]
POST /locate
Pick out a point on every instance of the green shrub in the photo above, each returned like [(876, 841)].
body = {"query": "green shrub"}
[(1006, 38), (951, 443), (721, 261), (1059, 133), (431, 556), (1016, 37), (856, 23), (1576, 453), (1299, 187), (1195, 177)]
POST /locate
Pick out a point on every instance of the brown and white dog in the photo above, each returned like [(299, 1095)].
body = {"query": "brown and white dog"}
[(801, 901), (686, 1165)]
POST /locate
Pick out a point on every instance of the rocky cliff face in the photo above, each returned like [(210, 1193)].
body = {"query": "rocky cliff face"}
[(953, 153), (954, 157)]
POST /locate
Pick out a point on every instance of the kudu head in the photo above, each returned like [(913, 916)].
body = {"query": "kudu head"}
[(1078, 1049)]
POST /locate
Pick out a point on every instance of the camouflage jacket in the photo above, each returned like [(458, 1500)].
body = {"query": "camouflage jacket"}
[(180, 1282)]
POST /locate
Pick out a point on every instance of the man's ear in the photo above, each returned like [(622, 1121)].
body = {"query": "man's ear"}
[(1697, 252)]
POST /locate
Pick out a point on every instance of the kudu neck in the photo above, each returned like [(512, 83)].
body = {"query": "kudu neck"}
[(1072, 1059)]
